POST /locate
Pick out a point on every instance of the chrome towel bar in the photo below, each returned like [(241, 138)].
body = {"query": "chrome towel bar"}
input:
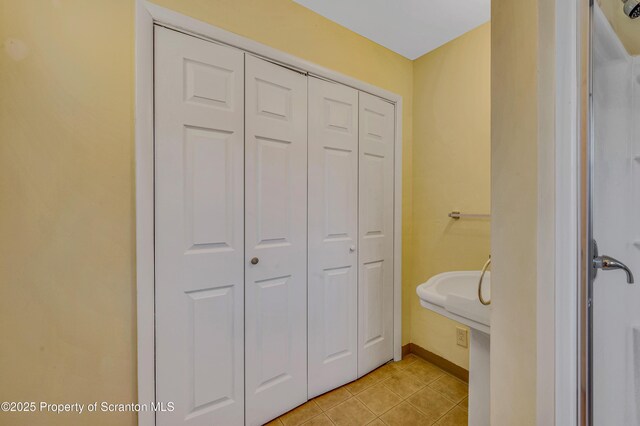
[(458, 215)]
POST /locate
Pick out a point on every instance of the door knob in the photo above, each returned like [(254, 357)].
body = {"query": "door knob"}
[(608, 263), (352, 249), (255, 261)]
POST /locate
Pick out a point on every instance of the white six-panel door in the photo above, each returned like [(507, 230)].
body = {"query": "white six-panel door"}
[(233, 345), (276, 240), (375, 255), (199, 238), (333, 235)]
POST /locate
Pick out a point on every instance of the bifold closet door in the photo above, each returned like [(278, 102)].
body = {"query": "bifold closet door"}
[(199, 240), (276, 240), (333, 235), (375, 257)]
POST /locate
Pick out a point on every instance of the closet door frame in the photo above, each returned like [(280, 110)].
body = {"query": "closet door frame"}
[(148, 15)]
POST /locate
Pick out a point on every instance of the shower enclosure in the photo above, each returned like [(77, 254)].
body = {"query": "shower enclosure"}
[(611, 303)]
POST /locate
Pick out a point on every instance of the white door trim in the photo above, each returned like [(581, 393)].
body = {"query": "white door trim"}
[(560, 364), (559, 225), (146, 15), (144, 163)]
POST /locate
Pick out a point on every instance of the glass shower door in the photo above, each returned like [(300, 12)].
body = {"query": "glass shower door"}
[(615, 227)]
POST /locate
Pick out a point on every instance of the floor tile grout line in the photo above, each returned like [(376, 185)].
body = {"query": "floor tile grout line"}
[(440, 418), (391, 408), (391, 390), (382, 420), (459, 404), (358, 400), (330, 419), (447, 397), (418, 408)]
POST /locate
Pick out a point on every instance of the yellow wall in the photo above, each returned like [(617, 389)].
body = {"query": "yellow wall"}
[(627, 29), (67, 251), (451, 171), (514, 187), (67, 258)]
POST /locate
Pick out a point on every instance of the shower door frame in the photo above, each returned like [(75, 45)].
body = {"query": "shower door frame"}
[(585, 217), (585, 208)]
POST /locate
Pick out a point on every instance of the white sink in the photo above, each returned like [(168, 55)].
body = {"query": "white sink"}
[(455, 295)]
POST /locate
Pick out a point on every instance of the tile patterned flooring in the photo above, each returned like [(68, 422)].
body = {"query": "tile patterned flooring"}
[(409, 392)]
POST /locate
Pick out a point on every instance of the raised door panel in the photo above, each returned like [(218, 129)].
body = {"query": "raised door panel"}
[(372, 287), (336, 312), (199, 241), (276, 236), (375, 260), (209, 190), (333, 235), (211, 315), (273, 195)]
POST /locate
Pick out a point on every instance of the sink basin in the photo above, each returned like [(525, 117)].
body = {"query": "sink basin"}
[(455, 295)]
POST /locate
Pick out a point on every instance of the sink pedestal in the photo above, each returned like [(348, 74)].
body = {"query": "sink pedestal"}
[(479, 393), (455, 296)]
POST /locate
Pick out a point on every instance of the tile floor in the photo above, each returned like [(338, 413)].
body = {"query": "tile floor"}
[(410, 392)]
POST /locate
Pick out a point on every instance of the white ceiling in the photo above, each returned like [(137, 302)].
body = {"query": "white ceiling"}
[(408, 27)]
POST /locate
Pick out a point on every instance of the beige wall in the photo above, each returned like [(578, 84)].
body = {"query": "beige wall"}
[(627, 29), (67, 236), (451, 170), (514, 180)]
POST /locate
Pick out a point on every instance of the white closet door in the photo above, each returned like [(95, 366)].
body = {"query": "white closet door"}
[(333, 235), (199, 178), (276, 238), (375, 280)]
